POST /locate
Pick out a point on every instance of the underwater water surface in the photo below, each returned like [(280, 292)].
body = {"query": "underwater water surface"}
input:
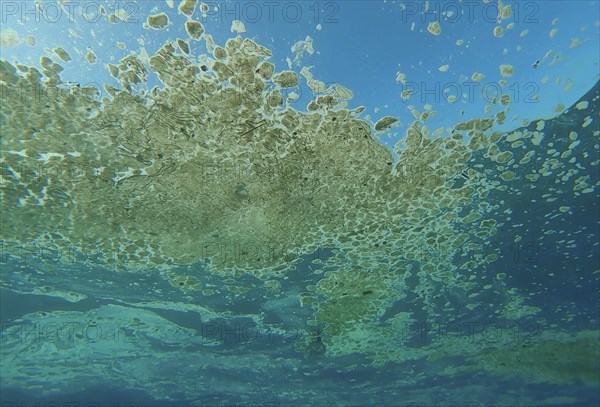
[(337, 203)]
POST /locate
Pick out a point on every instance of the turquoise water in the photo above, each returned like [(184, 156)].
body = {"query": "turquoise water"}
[(300, 203)]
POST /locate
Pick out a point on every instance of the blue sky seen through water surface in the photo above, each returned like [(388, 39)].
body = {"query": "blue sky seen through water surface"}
[(367, 44), (220, 234)]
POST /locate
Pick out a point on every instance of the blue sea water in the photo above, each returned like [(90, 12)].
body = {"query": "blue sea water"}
[(521, 330)]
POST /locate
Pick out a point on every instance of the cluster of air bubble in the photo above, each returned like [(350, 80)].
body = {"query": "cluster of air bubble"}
[(215, 166)]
